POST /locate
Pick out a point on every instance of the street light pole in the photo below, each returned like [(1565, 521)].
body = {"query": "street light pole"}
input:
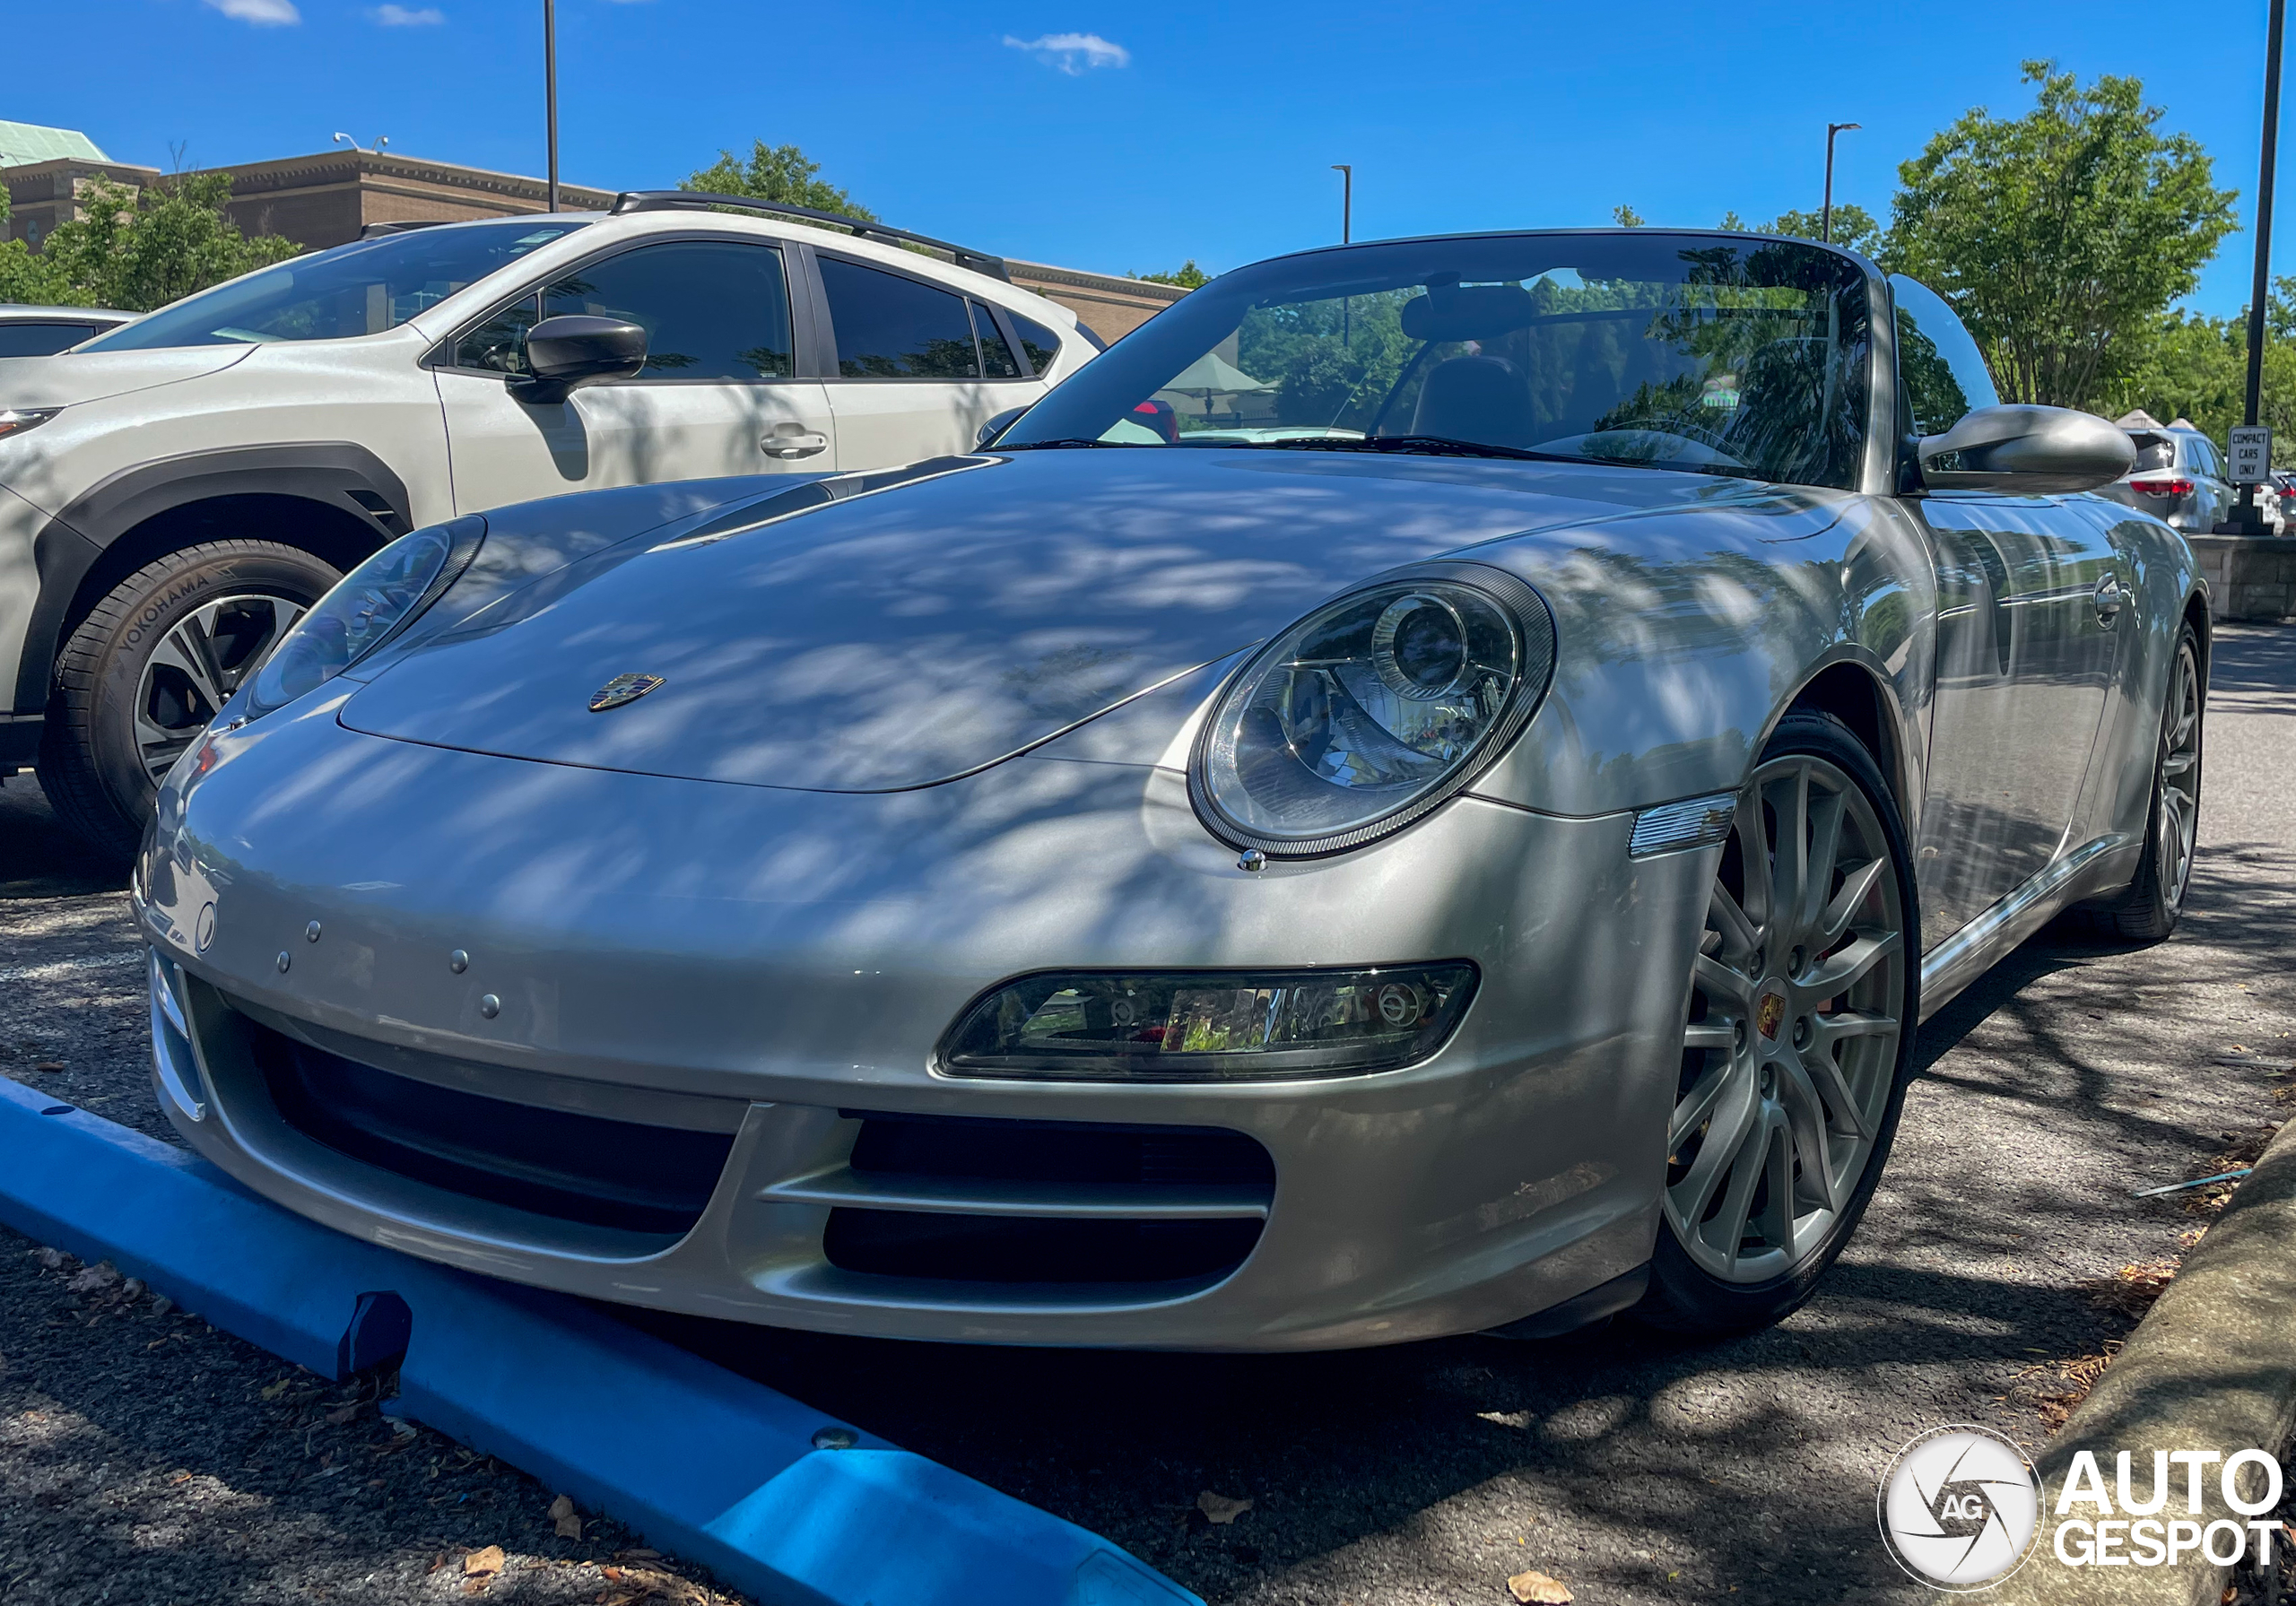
[(1825, 211), (1346, 202), (550, 88), (2251, 498)]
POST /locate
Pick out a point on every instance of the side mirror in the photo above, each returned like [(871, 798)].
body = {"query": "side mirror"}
[(997, 426), (573, 350), (2026, 451)]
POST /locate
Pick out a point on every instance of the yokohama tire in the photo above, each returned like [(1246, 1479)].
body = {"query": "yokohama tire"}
[(1800, 1040), (175, 637)]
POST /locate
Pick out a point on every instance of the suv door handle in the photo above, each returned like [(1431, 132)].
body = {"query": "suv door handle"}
[(793, 444), (2109, 599)]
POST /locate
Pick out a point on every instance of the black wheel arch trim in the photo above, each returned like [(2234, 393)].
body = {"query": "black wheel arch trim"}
[(339, 475)]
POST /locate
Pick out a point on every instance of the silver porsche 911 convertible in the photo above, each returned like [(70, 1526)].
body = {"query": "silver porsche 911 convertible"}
[(1427, 790)]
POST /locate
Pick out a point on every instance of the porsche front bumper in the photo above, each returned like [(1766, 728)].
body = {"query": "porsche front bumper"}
[(722, 989)]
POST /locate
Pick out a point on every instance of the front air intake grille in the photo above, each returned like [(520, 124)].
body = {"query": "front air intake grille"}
[(968, 1148), (972, 1200), (1029, 1249), (555, 1163)]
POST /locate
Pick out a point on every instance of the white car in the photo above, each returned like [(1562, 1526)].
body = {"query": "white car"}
[(174, 494), (28, 330)]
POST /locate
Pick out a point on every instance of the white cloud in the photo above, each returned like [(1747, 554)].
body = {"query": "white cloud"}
[(400, 16), (262, 13), (1070, 53)]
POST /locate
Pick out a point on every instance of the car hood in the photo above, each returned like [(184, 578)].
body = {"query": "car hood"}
[(70, 377), (879, 641)]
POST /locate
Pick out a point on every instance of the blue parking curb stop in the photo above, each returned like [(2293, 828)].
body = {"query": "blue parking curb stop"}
[(777, 1498)]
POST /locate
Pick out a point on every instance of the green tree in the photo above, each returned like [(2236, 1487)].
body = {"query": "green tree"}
[(1853, 226), (1187, 276), (25, 276), (778, 173), (1625, 216), (2061, 236), (140, 250)]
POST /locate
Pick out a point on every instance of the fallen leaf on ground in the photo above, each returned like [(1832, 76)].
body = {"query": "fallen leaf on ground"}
[(55, 1260), (1220, 1510), (103, 1274), (638, 1553), (561, 1512), (48, 1065), (484, 1563), (1536, 1586), (277, 1389), (343, 1413)]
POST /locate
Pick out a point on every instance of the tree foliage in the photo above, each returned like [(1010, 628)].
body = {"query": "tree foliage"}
[(2062, 236), (781, 173), (138, 250), (1853, 226), (1187, 276)]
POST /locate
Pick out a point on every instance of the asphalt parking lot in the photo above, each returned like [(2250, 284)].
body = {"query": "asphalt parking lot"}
[(142, 1457)]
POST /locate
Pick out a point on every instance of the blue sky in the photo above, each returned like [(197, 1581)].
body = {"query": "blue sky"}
[(1128, 138)]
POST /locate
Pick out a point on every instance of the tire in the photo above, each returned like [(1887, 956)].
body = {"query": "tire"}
[(2155, 900), (143, 673), (1797, 1041)]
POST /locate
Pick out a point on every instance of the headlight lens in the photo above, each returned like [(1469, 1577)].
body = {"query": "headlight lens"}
[(15, 420), (368, 606), (1210, 1025), (1371, 710)]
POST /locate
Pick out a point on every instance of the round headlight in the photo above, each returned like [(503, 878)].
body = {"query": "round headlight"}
[(368, 606), (1372, 710)]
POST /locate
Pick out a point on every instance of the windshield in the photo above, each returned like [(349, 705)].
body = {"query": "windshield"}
[(364, 288), (1718, 354)]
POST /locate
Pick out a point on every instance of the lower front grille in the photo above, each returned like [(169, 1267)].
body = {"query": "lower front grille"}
[(1010, 1249), (967, 1200), (555, 1163)]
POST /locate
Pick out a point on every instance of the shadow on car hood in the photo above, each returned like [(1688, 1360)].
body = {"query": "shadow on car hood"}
[(892, 640)]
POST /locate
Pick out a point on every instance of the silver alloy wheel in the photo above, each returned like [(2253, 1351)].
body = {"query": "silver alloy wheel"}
[(1797, 1004), (2177, 812), (195, 668)]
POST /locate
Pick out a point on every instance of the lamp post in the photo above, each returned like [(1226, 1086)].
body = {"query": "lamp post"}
[(549, 90), (1825, 211), (1347, 201), (2251, 508)]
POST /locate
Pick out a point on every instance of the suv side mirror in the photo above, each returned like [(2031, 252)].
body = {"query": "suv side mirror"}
[(573, 350), (997, 426), (2026, 450)]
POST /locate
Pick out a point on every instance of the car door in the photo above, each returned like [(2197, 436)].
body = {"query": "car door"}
[(2029, 596), (919, 368), (722, 391)]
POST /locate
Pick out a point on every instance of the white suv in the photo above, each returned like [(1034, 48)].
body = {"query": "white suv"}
[(175, 492)]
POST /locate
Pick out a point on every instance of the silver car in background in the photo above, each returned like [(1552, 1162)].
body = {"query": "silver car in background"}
[(1466, 845), (2178, 479)]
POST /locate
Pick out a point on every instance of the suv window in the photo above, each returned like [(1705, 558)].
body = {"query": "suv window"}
[(890, 326), (996, 359), (364, 288), (711, 310), (1040, 343), (40, 340), (2200, 456), (1941, 373)]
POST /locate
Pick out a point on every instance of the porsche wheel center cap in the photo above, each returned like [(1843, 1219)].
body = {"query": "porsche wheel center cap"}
[(1769, 1015)]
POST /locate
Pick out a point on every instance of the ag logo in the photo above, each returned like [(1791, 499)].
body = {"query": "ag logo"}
[(1769, 1015), (622, 688), (1958, 1508)]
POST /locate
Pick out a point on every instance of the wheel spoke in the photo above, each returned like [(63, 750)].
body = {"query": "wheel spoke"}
[(1825, 1076), (1717, 980), (1738, 934), (1739, 1200), (1734, 1118), (188, 650), (1777, 1222), (1847, 902), (2178, 764), (1713, 1032), (1697, 1105), (1807, 1128), (1824, 856), (1845, 969), (1789, 799)]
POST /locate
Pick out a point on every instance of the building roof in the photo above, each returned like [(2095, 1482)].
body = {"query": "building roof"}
[(21, 143)]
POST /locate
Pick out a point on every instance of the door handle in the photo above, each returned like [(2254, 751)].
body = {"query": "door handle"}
[(2109, 599), (793, 444)]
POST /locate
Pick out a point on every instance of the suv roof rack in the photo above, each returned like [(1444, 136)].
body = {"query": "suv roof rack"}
[(674, 200), (377, 231)]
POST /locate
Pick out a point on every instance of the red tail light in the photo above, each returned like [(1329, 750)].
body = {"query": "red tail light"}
[(2162, 487)]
